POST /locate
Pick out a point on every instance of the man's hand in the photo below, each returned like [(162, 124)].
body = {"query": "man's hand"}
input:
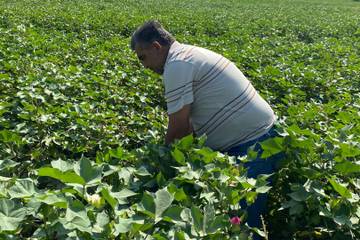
[(179, 125)]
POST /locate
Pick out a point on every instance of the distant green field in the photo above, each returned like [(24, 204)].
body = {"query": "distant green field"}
[(82, 124)]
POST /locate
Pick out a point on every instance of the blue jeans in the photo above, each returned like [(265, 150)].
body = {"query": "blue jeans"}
[(255, 168)]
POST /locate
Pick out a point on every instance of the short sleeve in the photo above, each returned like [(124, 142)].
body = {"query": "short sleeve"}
[(178, 82)]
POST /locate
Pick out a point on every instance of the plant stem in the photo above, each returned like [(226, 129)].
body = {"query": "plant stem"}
[(264, 227)]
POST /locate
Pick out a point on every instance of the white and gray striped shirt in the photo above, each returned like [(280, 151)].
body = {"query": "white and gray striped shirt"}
[(224, 104)]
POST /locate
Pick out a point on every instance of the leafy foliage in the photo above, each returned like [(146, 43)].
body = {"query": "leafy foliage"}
[(81, 123)]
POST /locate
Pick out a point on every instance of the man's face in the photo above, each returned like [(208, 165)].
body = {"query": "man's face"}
[(151, 56)]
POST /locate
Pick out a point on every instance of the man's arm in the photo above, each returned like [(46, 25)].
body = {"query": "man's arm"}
[(179, 125)]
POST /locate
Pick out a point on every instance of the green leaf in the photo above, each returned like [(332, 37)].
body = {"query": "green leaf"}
[(52, 199), (11, 214), (163, 200), (117, 153), (160, 180), (125, 174), (4, 105), (180, 195), (250, 197), (180, 236), (10, 137), (23, 188), (296, 209), (263, 189), (122, 226), (190, 174), (62, 165), (89, 173), (66, 177), (342, 220), (7, 164), (186, 142), (76, 217), (178, 156), (159, 236), (209, 196), (102, 219), (356, 183), (271, 146), (198, 218), (309, 173), (300, 195), (142, 171), (147, 205), (173, 214), (209, 216), (349, 150), (218, 223), (186, 215), (340, 188), (208, 154), (347, 167), (3, 189), (123, 194), (105, 192)]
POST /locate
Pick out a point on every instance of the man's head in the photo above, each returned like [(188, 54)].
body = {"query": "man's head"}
[(151, 42)]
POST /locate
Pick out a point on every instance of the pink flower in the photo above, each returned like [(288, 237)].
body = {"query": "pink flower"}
[(235, 220)]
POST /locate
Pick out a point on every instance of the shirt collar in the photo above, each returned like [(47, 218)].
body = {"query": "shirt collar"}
[(172, 49)]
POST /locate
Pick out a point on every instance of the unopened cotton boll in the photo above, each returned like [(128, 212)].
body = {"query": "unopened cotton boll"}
[(95, 200)]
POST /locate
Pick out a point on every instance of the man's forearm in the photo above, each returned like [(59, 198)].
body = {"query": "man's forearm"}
[(177, 133), (179, 124)]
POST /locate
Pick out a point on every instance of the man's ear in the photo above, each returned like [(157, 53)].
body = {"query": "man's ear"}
[(156, 45)]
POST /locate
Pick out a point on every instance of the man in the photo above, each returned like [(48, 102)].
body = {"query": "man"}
[(205, 94)]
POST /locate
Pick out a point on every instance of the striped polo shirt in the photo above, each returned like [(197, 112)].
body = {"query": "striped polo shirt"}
[(224, 104)]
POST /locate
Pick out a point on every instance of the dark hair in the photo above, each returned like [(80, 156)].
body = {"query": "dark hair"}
[(149, 32)]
